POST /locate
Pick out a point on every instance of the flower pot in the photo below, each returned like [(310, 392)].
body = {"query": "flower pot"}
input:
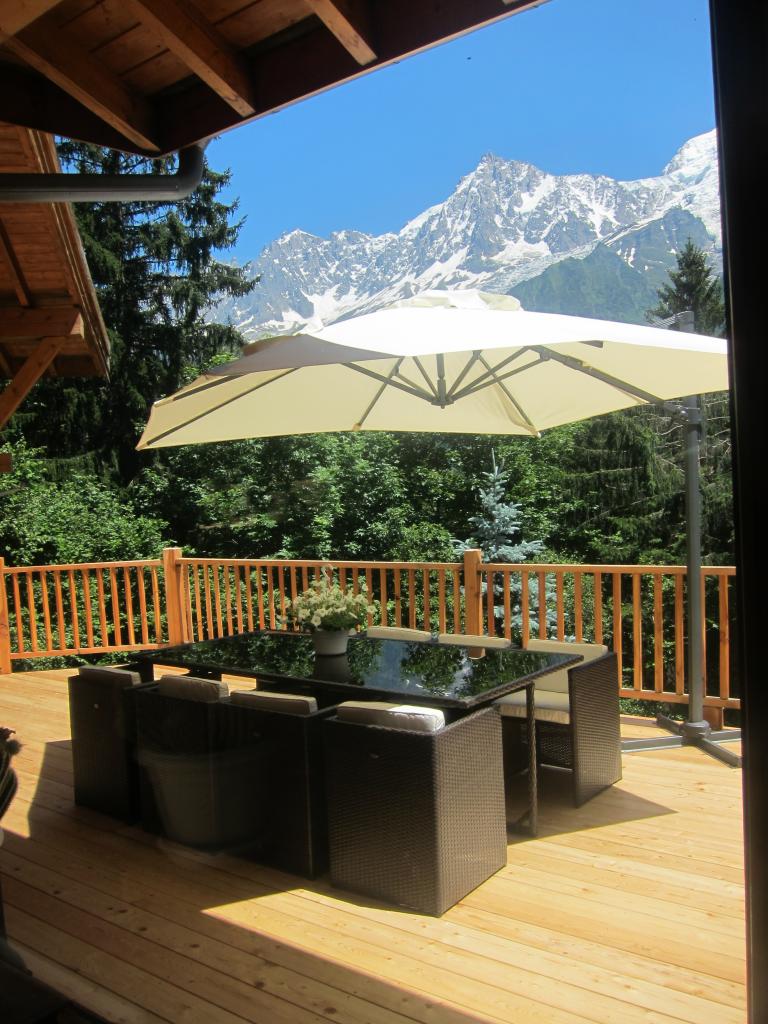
[(330, 641)]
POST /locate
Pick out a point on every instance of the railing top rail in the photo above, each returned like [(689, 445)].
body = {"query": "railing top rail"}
[(316, 563), (661, 570), (66, 566)]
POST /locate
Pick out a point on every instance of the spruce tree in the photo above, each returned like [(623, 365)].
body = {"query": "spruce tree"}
[(693, 287), (497, 526), (156, 272)]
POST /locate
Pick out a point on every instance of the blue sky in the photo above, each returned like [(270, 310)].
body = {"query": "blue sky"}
[(604, 86)]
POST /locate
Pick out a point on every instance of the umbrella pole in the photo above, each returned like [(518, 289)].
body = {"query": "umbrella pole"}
[(695, 730)]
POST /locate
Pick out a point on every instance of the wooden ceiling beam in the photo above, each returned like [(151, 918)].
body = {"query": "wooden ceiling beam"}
[(17, 276), (17, 14), (48, 50), (349, 21), (45, 322), (199, 44), (27, 376)]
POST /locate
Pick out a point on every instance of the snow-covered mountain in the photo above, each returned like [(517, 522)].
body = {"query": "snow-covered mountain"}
[(508, 227)]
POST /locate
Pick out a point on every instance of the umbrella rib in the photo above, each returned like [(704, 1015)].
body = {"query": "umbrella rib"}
[(489, 377), (425, 375), (605, 378), (221, 405), (516, 405), (377, 396), (468, 366), (409, 388)]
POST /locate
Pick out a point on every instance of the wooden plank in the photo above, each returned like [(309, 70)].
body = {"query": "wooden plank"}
[(17, 14), (61, 60), (197, 42), (8, 256), (349, 21), (27, 376)]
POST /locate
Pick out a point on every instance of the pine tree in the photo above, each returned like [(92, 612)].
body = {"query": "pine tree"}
[(156, 273)]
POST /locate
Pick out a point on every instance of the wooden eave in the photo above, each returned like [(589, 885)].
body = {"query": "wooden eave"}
[(153, 76), (50, 322)]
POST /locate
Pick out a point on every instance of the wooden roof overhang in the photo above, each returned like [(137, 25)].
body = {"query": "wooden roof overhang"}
[(50, 322), (154, 76)]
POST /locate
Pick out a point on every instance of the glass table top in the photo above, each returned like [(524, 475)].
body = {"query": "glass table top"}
[(418, 671)]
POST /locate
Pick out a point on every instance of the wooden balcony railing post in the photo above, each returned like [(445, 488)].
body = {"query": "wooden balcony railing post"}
[(175, 596), (5, 628), (473, 592)]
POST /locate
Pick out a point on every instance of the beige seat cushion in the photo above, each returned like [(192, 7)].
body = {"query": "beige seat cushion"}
[(108, 674), (192, 688), (396, 633), (393, 716), (473, 640), (551, 706), (268, 700), (558, 681)]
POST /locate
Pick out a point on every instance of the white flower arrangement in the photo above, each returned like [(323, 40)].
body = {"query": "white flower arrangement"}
[(324, 605)]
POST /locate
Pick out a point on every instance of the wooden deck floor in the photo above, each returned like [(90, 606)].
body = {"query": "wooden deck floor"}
[(628, 910)]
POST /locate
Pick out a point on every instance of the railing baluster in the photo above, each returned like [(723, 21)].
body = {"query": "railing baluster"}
[(32, 615), (383, 596), (88, 607), (542, 605), (43, 576), (141, 588), (724, 630), (637, 633), (489, 604), (60, 627), (248, 595), (598, 605), (679, 638), (73, 608), (578, 610), (18, 616), (525, 608), (129, 606), (239, 599), (102, 608), (441, 609), (156, 613), (618, 643), (226, 569), (658, 635), (398, 598), (560, 598), (118, 635)]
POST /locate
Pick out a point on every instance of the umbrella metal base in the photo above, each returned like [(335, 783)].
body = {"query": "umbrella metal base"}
[(697, 734)]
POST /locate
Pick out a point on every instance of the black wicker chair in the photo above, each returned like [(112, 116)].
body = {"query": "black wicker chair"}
[(415, 818), (583, 735), (103, 740), (222, 775)]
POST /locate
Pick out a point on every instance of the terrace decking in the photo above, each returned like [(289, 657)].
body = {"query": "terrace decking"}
[(628, 909)]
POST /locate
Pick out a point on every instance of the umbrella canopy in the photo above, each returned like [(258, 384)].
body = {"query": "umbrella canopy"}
[(447, 361)]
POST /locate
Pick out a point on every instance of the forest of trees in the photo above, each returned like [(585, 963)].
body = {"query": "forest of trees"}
[(605, 490)]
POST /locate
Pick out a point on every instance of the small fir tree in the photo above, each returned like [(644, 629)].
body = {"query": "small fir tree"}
[(497, 527)]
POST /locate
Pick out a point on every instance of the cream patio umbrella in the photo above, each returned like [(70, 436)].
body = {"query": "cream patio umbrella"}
[(460, 361), (448, 361)]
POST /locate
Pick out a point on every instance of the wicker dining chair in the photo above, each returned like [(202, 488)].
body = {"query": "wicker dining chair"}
[(101, 714), (415, 818), (239, 772), (576, 728)]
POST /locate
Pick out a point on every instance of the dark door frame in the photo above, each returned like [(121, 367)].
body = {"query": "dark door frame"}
[(739, 48)]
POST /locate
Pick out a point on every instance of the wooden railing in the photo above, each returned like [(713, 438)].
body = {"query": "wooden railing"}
[(638, 610)]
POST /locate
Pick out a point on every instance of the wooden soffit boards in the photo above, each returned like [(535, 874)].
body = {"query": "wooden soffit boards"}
[(153, 76), (50, 322)]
